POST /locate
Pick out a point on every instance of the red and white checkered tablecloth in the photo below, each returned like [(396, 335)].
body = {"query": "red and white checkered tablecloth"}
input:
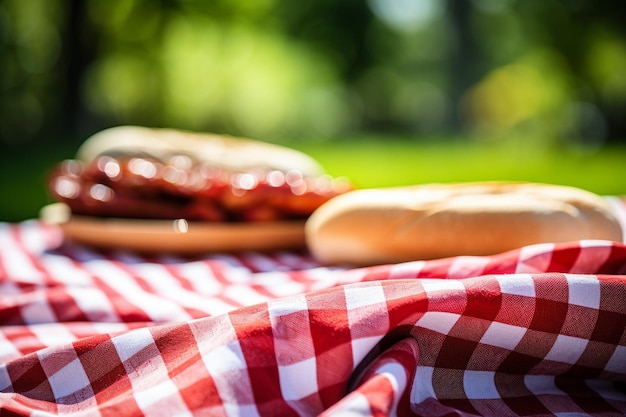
[(539, 331)]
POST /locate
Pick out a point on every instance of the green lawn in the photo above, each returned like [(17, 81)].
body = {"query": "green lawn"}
[(23, 173), (390, 162), (371, 162)]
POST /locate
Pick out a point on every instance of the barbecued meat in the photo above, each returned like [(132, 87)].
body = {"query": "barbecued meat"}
[(142, 186)]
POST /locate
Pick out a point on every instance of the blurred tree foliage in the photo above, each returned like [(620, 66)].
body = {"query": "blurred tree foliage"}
[(282, 69)]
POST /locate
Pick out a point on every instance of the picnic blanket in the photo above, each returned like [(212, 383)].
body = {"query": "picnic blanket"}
[(536, 331)]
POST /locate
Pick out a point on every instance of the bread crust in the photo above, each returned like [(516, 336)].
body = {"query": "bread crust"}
[(238, 154), (375, 226)]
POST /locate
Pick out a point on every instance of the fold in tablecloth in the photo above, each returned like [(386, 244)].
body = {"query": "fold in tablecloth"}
[(536, 331)]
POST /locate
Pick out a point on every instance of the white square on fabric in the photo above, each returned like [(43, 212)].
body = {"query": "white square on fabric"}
[(223, 359), (38, 311), (69, 379), (279, 284), (362, 296), (439, 285), (468, 266), (201, 276), (285, 306), (244, 294), (226, 363), (541, 385), (480, 385), (517, 284), (129, 344), (94, 303), (362, 346), (53, 334), (503, 335), (5, 379), (567, 349), (366, 308), (164, 390), (298, 380), (422, 387), (248, 410), (438, 321), (584, 291), (65, 270), (395, 374)]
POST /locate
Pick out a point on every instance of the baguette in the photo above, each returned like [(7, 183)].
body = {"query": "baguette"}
[(389, 225)]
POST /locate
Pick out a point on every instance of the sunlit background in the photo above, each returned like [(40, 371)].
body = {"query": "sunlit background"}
[(544, 74)]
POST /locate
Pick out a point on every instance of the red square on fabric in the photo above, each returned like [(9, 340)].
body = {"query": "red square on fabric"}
[(109, 387), (484, 299), (549, 315), (487, 358), (430, 343), (552, 286), (276, 407), (579, 322), (328, 321), (537, 344), (265, 384), (610, 327), (254, 333), (516, 310), (432, 406), (517, 397), (456, 405), (470, 328), (492, 407), (334, 366), (455, 353), (613, 292), (199, 394), (448, 383), (584, 397), (563, 258), (517, 363)]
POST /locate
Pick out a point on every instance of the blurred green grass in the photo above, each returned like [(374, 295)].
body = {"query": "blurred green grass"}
[(386, 162), (370, 162), (23, 175)]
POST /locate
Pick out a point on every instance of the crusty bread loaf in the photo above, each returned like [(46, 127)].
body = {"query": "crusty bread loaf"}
[(231, 152), (375, 226)]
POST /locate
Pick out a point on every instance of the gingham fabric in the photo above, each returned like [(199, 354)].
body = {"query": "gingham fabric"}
[(538, 331)]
